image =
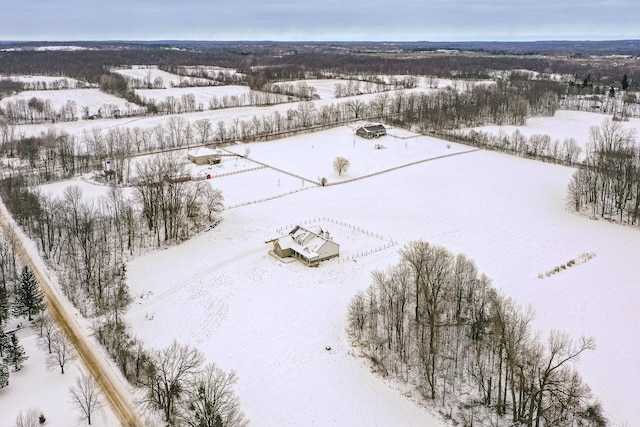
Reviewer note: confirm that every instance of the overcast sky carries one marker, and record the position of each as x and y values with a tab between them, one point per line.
340	20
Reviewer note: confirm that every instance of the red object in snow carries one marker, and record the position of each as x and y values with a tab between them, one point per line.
208	176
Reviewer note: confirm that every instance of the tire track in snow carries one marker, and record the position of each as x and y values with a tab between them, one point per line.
187	282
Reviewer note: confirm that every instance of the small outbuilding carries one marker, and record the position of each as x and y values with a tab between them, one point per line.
371	130
204	156
308	245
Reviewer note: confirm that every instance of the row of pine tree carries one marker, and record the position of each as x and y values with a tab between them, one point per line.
27	301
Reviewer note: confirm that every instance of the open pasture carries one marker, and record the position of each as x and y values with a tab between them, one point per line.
203	95
311	155
564	124
151	74
86	102
272	321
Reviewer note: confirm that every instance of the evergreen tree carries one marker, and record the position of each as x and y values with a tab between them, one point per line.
4	344
625	82
29	298
15	353
4	306
4	374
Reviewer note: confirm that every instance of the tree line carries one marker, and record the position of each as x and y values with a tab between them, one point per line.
433	321
262	63
538	146
173	379
20	296
607	185
89	242
54	155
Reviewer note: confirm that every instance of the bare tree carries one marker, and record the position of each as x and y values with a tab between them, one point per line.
433	320
44	325
61	351
554	375
28	418
357	315
172	367
357	107
341	165
203	130
213	200
211	401
85	395
305	111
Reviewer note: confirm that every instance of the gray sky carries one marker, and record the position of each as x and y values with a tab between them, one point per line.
372	20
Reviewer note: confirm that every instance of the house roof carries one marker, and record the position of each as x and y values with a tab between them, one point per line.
372	127
202	151
304	241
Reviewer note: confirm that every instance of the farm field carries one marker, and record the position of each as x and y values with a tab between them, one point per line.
225	115
325	88
564	124
272	321
87	102
48	80
281	325
149	74
367	156
203	95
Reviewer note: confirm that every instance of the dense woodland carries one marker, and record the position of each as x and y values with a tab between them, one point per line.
287	61
433	321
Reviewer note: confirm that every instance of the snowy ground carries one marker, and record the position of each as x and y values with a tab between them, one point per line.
325	88
311	156
44	389
90	99
144	73
202	94
564	124
37	79
226	115
271	321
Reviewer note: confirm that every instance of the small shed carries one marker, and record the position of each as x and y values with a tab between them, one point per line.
308	245
371	130
204	156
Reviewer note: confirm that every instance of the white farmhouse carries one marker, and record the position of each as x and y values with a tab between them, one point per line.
308	245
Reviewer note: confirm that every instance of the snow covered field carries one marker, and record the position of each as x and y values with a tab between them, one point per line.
564	124
89	101
48	80
44	389
149	74
272	321
325	88
311	156
202	94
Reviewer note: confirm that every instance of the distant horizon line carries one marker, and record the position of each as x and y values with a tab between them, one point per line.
195	40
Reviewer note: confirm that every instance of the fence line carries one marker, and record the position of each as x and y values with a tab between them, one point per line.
402	166
266	199
274	168
238	171
388	243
